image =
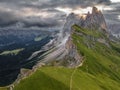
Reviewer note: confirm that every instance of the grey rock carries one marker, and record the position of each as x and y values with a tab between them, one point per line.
94	20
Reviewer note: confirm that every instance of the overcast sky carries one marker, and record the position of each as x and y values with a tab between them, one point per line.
51	13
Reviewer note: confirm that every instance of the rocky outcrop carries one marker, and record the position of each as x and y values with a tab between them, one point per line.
73	58
24	73
94	20
70	20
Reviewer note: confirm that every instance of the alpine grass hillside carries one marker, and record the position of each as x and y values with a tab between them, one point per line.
3	88
99	71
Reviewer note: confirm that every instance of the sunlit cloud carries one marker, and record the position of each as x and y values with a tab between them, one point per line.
115	1
31	12
107	8
65	10
82	11
104	8
76	11
5	9
27	12
119	17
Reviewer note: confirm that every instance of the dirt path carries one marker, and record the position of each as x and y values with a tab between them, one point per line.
74	71
71	78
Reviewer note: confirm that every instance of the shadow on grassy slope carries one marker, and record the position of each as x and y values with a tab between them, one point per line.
41	81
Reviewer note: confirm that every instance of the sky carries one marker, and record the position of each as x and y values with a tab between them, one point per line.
47	14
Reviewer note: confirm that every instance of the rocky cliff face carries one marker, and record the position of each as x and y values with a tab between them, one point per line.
74	59
94	20
70	20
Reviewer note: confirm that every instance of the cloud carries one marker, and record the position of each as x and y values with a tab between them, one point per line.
115	1
14	13
46	13
30	17
7	18
40	22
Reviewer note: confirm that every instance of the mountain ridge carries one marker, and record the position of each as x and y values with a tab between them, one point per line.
94	20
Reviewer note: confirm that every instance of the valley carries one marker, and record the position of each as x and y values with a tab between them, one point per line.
15	56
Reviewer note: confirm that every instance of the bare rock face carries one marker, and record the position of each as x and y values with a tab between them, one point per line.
73	58
70	20
94	20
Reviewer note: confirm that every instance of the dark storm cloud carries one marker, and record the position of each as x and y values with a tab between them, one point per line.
11	20
47	4
11	11
42	4
112	16
76	3
7	18
39	22
10	14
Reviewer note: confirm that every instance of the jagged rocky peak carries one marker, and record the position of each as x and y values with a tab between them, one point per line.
95	10
94	20
71	16
70	20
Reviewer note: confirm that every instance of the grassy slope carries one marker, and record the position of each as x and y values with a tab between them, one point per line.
12	52
3	89
100	70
